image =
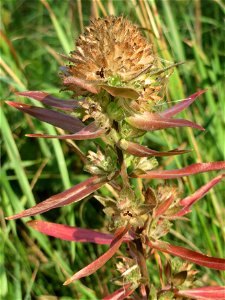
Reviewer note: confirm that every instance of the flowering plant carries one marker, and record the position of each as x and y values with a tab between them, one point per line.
120	84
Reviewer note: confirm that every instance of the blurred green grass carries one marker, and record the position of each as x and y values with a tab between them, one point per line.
33	266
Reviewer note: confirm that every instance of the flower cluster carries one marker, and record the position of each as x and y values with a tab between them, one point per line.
118	82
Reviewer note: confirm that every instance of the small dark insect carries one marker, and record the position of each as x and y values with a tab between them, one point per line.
101	73
127	213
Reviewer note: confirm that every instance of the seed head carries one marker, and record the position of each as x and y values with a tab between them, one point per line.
113	53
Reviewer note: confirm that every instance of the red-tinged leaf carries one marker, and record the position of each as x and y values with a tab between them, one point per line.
55	118
120	294
187	171
152	121
190	200
189	255
164	206
120	91
99	262
83	84
48	99
204	293
73	194
88	132
70	233
142	151
172	111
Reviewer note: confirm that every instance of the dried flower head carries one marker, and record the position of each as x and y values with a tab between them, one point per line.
113	53
109	47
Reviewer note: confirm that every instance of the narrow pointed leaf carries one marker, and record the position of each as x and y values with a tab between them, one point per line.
55	118
120	91
71	195
70	233
204	293
81	83
172	111
99	262
120	294
48	99
164	206
152	121
142	151
88	132
190	200
189	255
187	171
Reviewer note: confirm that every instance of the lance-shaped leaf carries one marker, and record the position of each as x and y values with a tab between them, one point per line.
164	206
83	84
153	121
187	171
71	195
204	293
70	233
55	118
190	200
142	151
172	111
189	255
121	293
48	99
76	234
88	132
99	262
124	92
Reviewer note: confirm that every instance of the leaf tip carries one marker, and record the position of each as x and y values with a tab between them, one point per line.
9	218
68	281
32	223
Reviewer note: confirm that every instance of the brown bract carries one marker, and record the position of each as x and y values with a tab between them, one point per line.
109	47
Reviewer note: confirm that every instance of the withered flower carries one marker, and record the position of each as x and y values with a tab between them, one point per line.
113	55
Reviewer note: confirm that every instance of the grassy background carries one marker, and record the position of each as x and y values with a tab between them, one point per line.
34	266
